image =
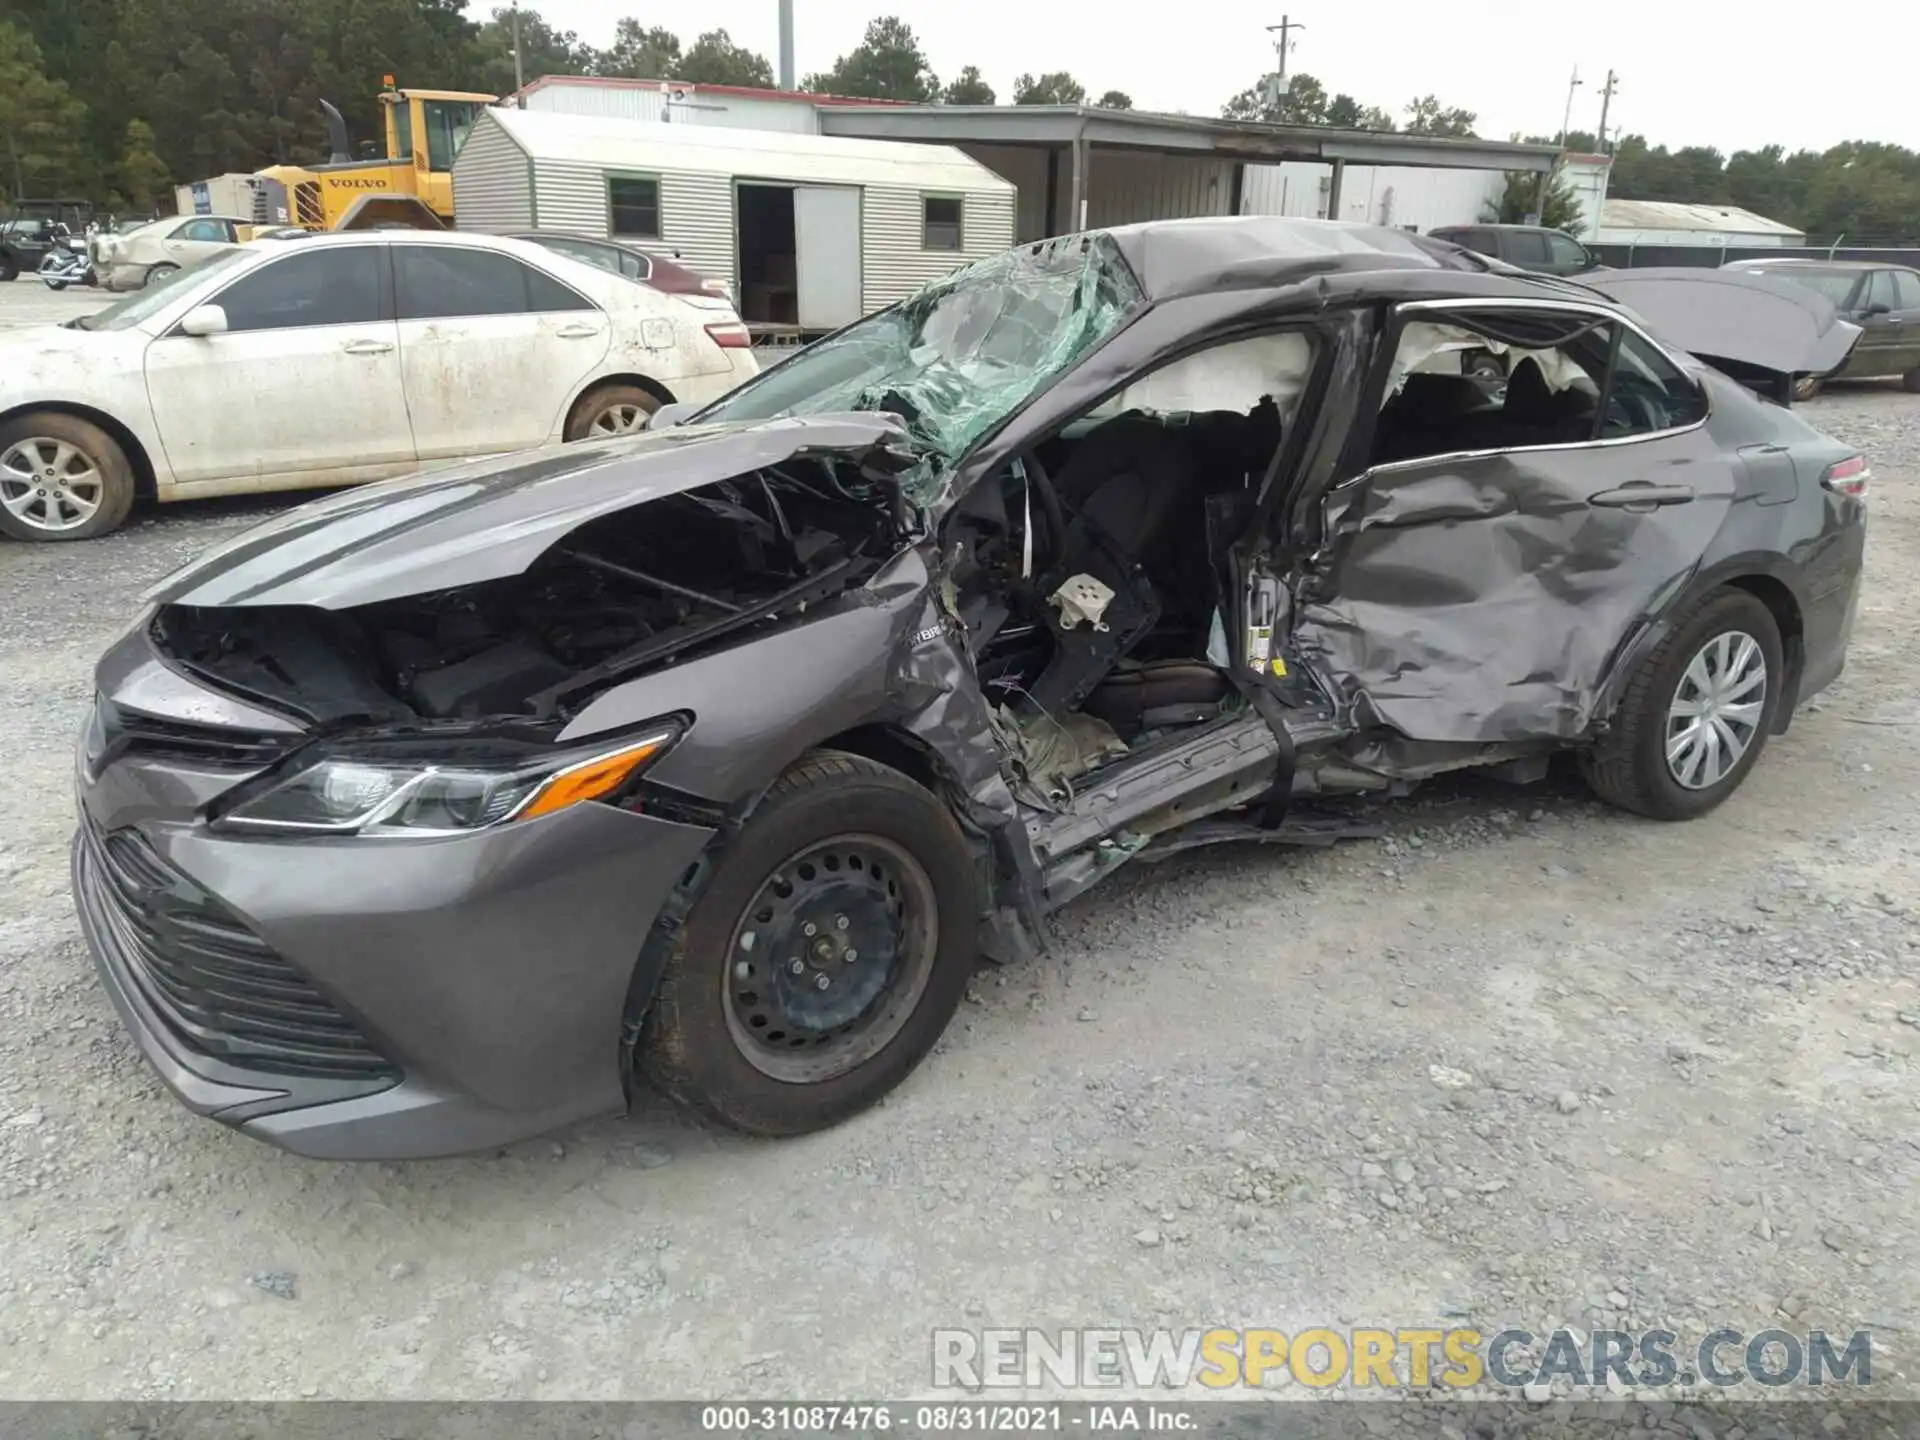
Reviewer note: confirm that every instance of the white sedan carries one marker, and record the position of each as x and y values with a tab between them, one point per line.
335	359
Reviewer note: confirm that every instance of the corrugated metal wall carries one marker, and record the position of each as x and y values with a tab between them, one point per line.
617	102
634	102
696	210
492	183
894	264
1376	194
1026	167
1125	186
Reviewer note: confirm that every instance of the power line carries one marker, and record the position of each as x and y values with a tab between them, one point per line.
1284	30
1606	103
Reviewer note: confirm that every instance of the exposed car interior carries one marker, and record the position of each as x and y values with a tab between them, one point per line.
1091	583
1508	380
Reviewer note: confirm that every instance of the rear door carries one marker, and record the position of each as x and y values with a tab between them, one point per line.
304	386
1486	557
492	348
194	240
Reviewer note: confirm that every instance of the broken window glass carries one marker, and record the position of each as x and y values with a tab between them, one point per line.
965	353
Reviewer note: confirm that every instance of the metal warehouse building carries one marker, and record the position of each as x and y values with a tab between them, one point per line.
1078	166
770	211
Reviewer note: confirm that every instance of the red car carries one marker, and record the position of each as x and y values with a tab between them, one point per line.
629	260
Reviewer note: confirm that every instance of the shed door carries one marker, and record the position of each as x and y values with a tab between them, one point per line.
826	234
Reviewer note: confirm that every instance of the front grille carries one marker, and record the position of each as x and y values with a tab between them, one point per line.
308	209
129	732
222	990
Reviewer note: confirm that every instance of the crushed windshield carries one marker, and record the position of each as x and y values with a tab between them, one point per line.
965	353
158	294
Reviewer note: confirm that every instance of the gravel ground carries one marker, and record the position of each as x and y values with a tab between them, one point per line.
1526	1060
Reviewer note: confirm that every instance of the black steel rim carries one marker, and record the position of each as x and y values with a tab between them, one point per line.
830	958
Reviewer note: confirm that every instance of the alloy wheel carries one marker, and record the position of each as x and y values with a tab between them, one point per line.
48	484
830	958
619	420
1717	710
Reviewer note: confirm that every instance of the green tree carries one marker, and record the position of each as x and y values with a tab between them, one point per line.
40	119
1561	210
967	88
1114	100
1427	116
714	59
888	64
1302	102
640	53
141	173
1056	87
543	51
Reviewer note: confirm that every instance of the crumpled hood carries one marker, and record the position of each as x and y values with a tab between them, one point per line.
488	519
1734	316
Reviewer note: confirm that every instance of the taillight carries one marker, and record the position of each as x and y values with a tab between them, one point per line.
731	337
1850	478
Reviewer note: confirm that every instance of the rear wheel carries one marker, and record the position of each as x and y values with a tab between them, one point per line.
61	479
611	410
825	956
1911	381
1697	713
8	269
157	274
1806	387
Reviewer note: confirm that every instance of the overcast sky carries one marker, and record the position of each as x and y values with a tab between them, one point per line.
1690	72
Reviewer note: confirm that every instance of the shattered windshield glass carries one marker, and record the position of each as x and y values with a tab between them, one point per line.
963	354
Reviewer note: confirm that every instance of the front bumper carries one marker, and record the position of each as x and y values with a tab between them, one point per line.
371	999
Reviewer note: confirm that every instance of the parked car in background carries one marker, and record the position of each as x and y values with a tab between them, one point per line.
631	261
334	359
30	227
156	250
429	818
1883	300
1530	247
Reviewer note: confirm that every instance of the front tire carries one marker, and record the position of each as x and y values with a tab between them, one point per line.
824	957
61	478
1910	382
8	269
1697	713
610	411
1806	387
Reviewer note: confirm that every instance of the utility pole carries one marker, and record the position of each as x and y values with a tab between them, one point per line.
1606	103
519	73
1566	121
1284	30
786	44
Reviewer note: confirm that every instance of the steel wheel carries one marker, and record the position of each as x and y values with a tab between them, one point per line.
619	420
830	958
1716	710
50	485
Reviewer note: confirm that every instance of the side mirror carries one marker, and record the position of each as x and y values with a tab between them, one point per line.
668	416
204	320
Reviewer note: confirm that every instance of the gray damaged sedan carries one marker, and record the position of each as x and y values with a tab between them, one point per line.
444	812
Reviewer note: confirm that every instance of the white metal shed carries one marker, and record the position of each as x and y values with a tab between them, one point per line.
812	231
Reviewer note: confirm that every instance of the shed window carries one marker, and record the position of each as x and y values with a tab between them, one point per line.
940	217
633	206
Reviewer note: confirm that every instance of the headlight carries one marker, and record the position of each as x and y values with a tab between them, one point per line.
372	792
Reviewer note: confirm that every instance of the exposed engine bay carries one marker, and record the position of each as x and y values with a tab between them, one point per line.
629	591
